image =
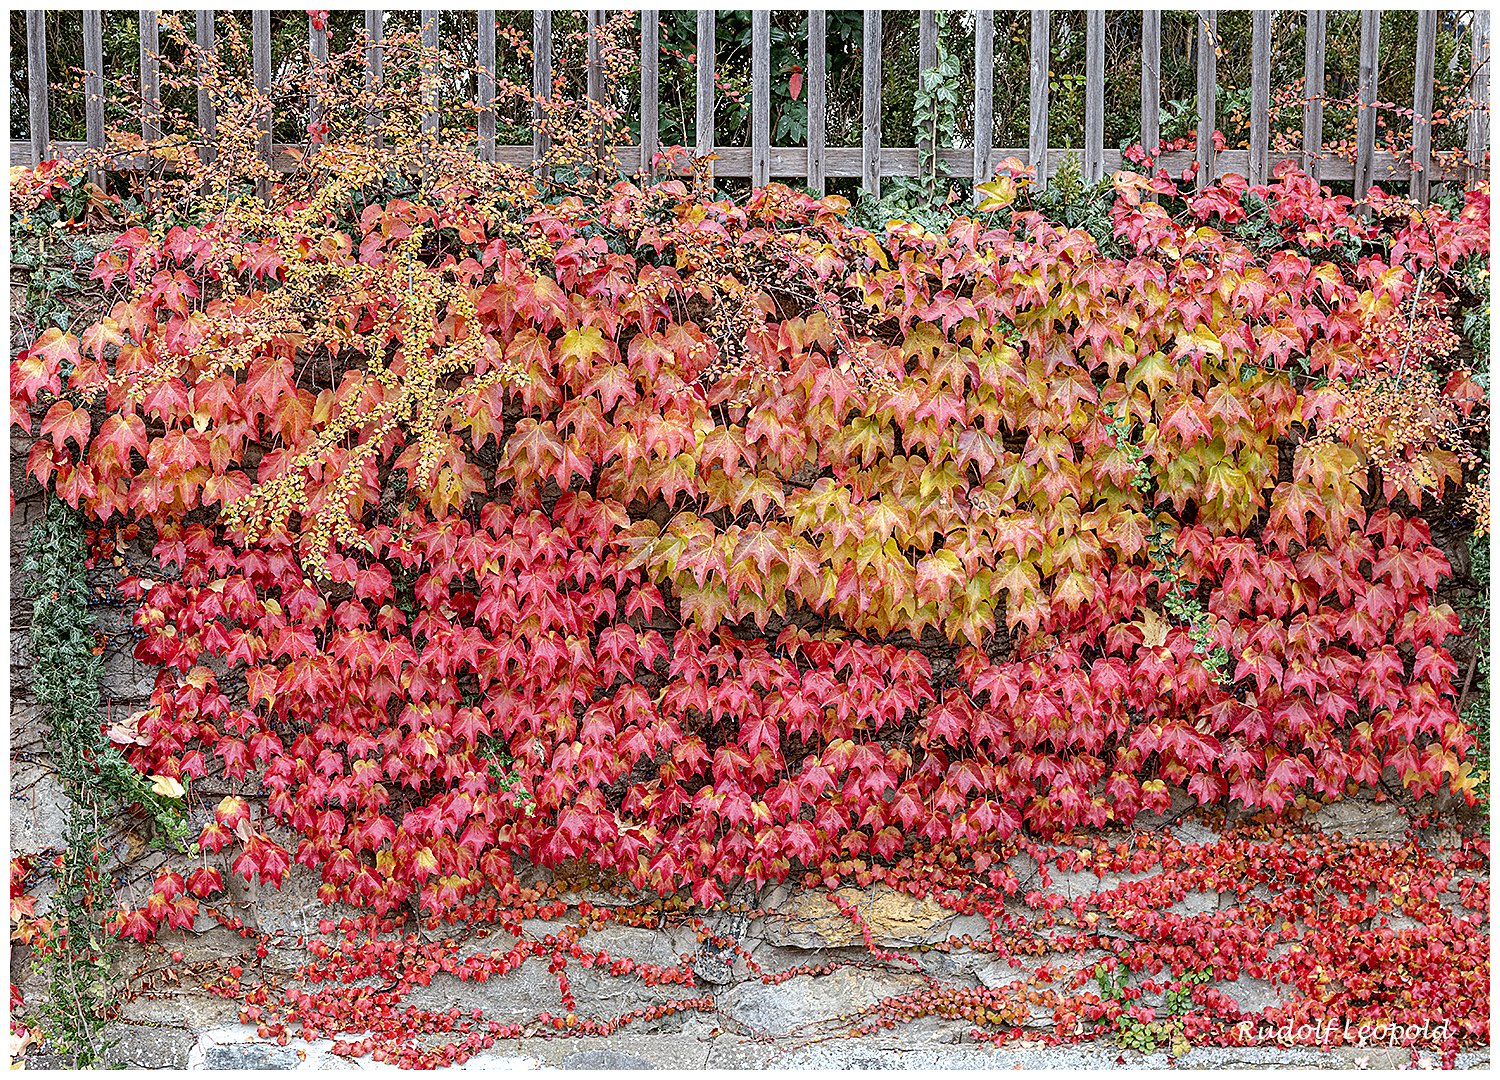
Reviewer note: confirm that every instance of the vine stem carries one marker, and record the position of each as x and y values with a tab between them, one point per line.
1463	696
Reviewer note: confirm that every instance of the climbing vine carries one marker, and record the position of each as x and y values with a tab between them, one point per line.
513	518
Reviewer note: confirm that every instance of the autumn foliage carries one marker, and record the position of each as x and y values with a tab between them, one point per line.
506	521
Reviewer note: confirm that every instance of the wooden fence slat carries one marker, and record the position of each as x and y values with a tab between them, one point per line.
208	119
760	97
984	94
150	77
374	64
1150	81
870	106
926	61
37	86
260	60
1260	95
650	88
1208	93
1421	105
93	85
1312	112
484	85
1093	107
93	76
541	80
1479	93
1369	87
703	123
1041	64
595	61
430	73
817	97
317	44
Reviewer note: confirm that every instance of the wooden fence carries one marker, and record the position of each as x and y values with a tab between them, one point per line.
816	162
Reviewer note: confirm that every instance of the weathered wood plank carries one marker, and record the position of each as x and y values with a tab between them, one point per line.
93	85
1041	64
317	44
1208	93
1150	81
817	97
1093	104
595	61
208	120
926	61
484	85
1369	87
431	92
650	86
870	105
37	85
1479	92
1260	95
703	123
374	63
1312	112
260	61
1421	106
984	94
541	80
848	161
150	76
760	97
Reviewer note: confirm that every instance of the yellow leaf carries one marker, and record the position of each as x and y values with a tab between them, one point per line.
998	193
165	785
1153	629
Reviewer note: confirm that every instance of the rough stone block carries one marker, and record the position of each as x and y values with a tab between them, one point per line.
811	921
234	1048
1358	819
38	811
604	1059
807	1000
140	1047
